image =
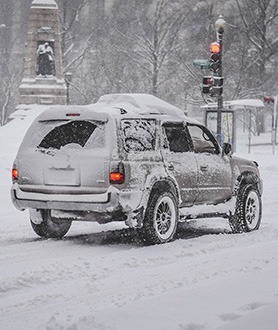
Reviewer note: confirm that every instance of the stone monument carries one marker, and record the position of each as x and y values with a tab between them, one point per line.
43	81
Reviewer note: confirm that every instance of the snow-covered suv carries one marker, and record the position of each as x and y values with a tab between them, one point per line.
132	158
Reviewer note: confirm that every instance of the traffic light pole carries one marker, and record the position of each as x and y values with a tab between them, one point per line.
220	97
213	84
220	25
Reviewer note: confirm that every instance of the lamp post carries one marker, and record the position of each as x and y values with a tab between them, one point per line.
220	25
68	77
5	70
4	37
4	45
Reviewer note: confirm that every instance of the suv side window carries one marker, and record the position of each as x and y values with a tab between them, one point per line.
175	137
202	139
138	134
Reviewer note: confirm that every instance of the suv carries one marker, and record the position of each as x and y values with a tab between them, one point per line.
132	158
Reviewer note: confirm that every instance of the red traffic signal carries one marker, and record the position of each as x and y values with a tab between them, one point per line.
215	56
215	48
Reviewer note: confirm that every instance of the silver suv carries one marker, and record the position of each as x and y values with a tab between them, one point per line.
131	158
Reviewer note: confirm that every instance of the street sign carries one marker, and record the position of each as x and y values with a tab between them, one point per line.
202	64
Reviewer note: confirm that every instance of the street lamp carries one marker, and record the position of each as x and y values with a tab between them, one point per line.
68	78
220	25
4	34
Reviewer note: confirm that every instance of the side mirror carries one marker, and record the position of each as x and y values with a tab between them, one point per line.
227	149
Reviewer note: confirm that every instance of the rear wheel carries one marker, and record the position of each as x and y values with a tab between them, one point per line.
248	213
161	218
46	226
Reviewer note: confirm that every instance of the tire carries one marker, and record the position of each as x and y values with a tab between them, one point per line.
248	213
161	218
50	228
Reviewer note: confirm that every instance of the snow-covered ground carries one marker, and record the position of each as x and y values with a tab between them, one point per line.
102	277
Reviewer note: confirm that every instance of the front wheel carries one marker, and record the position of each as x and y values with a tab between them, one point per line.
248	213
161	218
45	226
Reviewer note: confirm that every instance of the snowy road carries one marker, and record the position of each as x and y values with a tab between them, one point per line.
101	277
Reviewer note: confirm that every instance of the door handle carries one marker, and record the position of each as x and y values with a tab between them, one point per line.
203	168
170	167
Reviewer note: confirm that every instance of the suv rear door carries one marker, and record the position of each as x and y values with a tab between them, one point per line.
66	156
180	161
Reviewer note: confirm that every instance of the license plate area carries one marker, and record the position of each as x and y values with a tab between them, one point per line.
62	175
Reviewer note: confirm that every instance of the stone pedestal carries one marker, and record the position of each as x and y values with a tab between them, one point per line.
43	81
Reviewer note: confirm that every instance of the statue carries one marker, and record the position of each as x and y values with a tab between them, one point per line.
43	81
45	60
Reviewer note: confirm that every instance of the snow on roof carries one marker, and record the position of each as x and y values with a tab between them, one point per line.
44	4
112	105
142	104
79	112
238	104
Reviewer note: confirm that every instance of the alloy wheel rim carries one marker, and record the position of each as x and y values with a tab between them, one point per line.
165	217
252	210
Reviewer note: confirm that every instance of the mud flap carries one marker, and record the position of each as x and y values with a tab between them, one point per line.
135	219
36	216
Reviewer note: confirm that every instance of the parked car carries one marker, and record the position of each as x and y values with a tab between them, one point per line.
131	158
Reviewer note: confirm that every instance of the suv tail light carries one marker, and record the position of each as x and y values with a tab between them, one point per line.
117	174
14	174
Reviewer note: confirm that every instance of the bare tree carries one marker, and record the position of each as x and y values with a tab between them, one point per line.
258	44
154	34
11	40
81	26
7	94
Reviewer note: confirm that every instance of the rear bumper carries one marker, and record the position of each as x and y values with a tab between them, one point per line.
105	207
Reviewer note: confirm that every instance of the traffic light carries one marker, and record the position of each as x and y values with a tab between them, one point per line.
215	57
216	86
268	99
212	85
206	84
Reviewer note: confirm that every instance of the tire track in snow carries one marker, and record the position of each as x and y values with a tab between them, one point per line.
122	278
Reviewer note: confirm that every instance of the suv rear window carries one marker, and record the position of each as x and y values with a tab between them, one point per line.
138	134
77	132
